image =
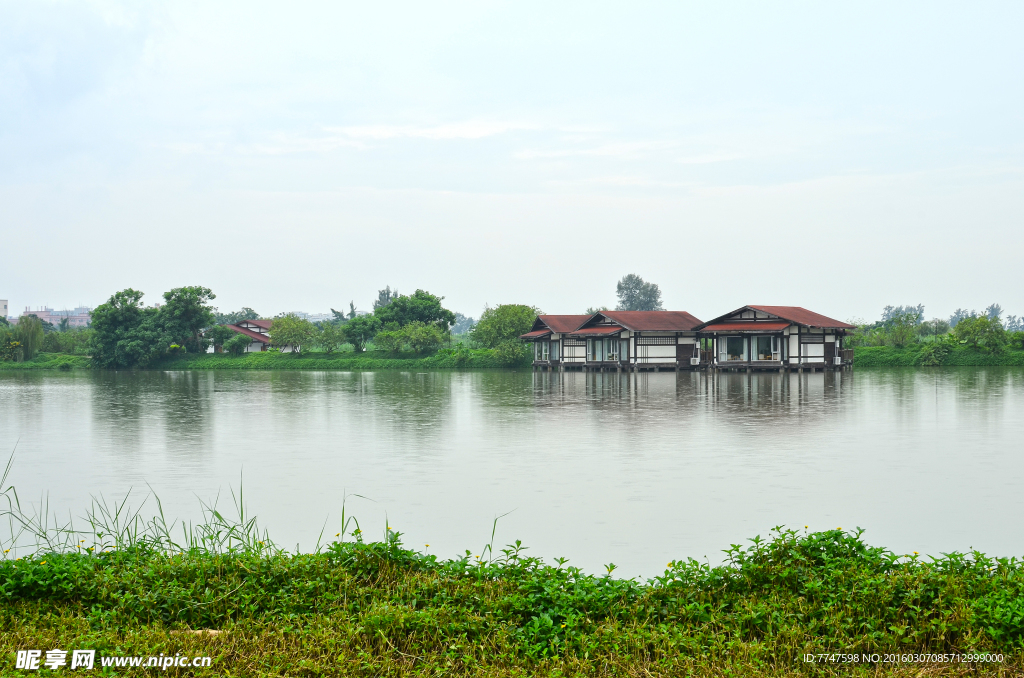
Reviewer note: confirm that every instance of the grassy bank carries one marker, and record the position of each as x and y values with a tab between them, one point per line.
368	360
49	361
373	609
927	354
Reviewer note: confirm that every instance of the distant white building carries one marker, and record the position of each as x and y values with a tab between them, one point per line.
76	317
3	308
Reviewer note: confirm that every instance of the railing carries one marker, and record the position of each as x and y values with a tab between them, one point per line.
847	354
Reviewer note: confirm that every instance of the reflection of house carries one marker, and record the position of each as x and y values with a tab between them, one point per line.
776	337
618	340
259	332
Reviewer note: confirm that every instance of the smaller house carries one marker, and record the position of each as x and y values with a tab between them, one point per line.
615	340
776	337
551	345
259	332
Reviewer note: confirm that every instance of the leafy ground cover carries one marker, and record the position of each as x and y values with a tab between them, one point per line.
368	360
375	609
49	361
937	354
458	358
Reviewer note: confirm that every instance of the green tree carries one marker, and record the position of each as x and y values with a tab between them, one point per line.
237	344
981	332
219	335
29	333
420	306
185	313
236	317
390	341
935	327
361	330
636	295
901	328
329	336
125	333
291	330
385	297
506	322
422	338
511	353
10	348
596	309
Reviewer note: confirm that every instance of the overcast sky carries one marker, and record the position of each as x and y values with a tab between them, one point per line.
295	156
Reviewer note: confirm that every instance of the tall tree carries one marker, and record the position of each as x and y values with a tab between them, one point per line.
29	333
360	330
186	313
506	322
235	317
291	330
384	297
125	333
637	295
420	306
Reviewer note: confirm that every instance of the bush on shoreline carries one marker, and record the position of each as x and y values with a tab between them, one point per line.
379	608
941	354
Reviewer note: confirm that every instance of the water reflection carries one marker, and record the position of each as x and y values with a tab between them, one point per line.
634	468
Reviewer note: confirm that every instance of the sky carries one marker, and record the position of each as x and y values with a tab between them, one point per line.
298	156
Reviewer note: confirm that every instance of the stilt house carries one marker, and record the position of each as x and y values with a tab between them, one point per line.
550	342
776	337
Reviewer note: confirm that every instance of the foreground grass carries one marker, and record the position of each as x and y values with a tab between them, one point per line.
373	609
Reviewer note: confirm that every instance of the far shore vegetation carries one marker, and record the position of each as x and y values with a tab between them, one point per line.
416	331
123	583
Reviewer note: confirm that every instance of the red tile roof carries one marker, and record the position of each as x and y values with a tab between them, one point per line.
265	324
653	321
536	334
598	331
794	314
759	326
250	333
563	324
801	315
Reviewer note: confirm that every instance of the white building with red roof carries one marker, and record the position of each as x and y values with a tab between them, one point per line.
776	337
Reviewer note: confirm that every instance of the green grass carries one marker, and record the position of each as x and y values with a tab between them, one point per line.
915	356
49	361
369	360
357	608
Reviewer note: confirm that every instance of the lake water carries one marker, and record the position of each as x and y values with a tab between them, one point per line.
598	468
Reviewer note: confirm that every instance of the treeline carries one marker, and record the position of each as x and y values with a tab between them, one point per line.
33	335
905	326
126	333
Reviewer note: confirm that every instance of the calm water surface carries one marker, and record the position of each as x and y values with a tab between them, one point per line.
599	468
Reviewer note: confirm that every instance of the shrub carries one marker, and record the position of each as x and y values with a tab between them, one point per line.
511	353
504	323
237	344
389	340
422	338
981	332
291	330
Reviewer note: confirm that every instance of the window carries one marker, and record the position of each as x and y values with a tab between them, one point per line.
612	352
766	348
542	349
734	348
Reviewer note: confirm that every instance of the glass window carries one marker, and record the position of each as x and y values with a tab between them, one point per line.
613	349
763	347
734	348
